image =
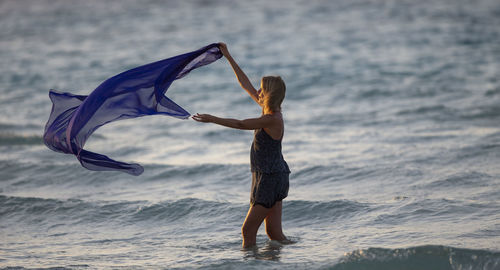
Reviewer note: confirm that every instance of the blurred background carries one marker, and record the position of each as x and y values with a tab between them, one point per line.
392	134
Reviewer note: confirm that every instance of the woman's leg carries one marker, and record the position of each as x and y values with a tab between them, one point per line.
255	216
273	223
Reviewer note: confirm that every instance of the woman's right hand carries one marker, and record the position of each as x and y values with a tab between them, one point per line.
204	118
223	49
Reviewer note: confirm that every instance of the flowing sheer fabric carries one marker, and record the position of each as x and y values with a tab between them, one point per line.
133	93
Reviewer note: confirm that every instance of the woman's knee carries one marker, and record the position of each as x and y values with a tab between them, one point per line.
244	230
273	223
248	229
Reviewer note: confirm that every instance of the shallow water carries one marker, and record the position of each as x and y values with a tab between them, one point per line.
392	135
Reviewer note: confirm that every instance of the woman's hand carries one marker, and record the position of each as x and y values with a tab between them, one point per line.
223	49
205	118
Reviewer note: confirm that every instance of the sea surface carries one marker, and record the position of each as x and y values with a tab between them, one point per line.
392	134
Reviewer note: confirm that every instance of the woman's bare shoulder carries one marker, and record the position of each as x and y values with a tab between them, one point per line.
275	129
274	117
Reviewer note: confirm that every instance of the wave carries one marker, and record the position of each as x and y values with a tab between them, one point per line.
199	170
48	212
441	112
15	139
43	211
432	210
487	147
492	92
467	179
488	112
316	173
375	93
51	212
311	212
437	111
10	126
422	257
65	170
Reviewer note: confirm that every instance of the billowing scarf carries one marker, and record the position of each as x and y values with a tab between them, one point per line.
133	93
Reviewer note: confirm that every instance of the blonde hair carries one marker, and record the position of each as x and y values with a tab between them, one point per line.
274	89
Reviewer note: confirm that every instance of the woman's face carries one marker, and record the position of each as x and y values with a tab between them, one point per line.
261	95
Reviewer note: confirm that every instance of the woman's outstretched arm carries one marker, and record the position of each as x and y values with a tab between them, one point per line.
240	75
265	121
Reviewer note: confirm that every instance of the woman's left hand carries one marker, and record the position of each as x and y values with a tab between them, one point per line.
205	118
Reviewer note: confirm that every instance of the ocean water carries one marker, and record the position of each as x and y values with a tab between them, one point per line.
392	135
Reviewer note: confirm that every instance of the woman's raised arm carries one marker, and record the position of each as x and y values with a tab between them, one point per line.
240	75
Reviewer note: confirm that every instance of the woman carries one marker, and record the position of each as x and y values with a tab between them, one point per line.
269	170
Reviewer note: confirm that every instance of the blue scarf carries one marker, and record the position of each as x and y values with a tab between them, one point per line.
133	93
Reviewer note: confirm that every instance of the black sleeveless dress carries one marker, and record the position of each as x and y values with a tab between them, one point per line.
269	170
